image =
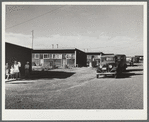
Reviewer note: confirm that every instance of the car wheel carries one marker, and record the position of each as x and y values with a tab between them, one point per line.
97	76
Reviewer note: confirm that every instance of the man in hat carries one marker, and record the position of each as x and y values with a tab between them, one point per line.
27	70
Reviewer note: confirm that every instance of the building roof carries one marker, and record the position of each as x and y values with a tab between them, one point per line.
94	53
8	43
120	55
108	56
57	50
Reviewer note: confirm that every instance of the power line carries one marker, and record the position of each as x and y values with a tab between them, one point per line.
35	17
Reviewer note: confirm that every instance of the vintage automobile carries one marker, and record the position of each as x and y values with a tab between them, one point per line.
130	60
136	59
36	67
111	65
139	58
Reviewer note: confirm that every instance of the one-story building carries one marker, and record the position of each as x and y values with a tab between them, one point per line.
58	58
17	53
93	58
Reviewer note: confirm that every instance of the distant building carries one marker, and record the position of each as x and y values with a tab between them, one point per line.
58	58
93	58
108	54
17	53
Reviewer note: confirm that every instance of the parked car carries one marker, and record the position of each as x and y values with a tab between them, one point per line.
36	67
136	59
130	61
111	65
139	58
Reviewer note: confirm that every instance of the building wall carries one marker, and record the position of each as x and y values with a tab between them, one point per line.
53	59
80	58
93	59
17	53
69	57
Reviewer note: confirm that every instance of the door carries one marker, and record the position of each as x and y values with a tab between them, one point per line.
51	64
64	62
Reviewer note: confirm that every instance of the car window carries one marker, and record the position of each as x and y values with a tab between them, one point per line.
109	59
103	59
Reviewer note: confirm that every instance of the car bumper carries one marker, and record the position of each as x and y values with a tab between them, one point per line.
106	73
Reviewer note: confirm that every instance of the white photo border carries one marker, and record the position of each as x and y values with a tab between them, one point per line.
76	114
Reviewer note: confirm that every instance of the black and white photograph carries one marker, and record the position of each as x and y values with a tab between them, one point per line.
74	60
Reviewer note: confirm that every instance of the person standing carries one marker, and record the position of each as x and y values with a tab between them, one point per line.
7	71
27	70
16	70
12	72
19	63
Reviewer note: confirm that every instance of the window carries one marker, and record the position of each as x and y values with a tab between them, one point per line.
53	56
103	59
46	56
69	56
50	56
58	56
110	59
41	56
36	56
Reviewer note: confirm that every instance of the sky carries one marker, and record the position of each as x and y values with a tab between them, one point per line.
94	28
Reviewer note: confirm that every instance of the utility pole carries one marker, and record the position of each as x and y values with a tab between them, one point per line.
32	37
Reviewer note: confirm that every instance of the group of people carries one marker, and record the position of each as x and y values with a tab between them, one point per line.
14	72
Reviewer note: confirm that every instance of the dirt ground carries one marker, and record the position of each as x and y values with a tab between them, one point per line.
76	88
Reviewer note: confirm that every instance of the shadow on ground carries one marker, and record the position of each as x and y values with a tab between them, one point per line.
128	75
50	74
135	65
123	75
131	70
44	74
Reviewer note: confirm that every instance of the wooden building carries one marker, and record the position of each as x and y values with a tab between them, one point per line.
59	58
93	58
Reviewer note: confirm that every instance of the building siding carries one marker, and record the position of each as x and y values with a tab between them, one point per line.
81	58
48	58
78	57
